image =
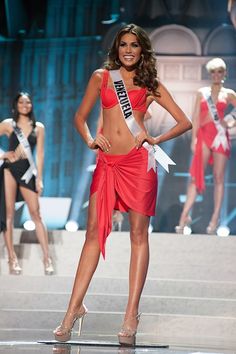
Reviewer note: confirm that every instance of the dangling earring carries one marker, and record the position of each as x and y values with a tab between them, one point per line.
117	62
223	80
141	61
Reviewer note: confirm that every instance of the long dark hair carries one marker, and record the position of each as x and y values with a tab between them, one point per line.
145	71
15	111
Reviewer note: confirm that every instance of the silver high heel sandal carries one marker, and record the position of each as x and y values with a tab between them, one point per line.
48	267
127	335
211	228
179	229
14	267
63	333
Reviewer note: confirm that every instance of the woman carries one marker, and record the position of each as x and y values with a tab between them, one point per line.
121	179
210	142
20	178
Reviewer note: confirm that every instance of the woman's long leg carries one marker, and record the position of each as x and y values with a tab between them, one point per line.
10	197
87	264
32	200
219	167
139	262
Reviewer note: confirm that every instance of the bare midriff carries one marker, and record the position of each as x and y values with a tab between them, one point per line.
117	132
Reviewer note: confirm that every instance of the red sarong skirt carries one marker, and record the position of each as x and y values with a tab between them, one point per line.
122	182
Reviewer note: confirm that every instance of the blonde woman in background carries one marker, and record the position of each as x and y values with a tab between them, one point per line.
210	142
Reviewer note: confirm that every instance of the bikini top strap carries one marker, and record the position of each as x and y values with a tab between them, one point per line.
105	77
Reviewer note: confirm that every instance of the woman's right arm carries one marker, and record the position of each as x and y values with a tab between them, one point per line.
6	129
91	95
195	121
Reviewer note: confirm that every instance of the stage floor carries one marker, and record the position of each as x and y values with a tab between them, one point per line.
27	347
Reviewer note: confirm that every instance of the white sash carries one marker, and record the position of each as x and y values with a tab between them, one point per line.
32	170
220	138
155	153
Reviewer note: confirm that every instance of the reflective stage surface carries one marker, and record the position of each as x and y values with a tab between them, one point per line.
97	347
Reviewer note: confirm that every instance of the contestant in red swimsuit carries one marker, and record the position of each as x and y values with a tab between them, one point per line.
122	178
122	182
210	143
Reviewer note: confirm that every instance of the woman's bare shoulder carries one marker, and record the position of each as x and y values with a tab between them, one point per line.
8	121
229	91
40	125
95	80
98	74
6	126
40	128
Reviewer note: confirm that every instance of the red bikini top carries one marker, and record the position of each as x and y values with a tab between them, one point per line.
108	96
221	105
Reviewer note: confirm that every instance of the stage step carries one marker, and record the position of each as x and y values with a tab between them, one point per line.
198	306
196	257
157	287
189	297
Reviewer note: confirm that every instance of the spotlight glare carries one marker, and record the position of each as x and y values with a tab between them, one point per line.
91	168
223	231
29	225
150	228
71	226
187	230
